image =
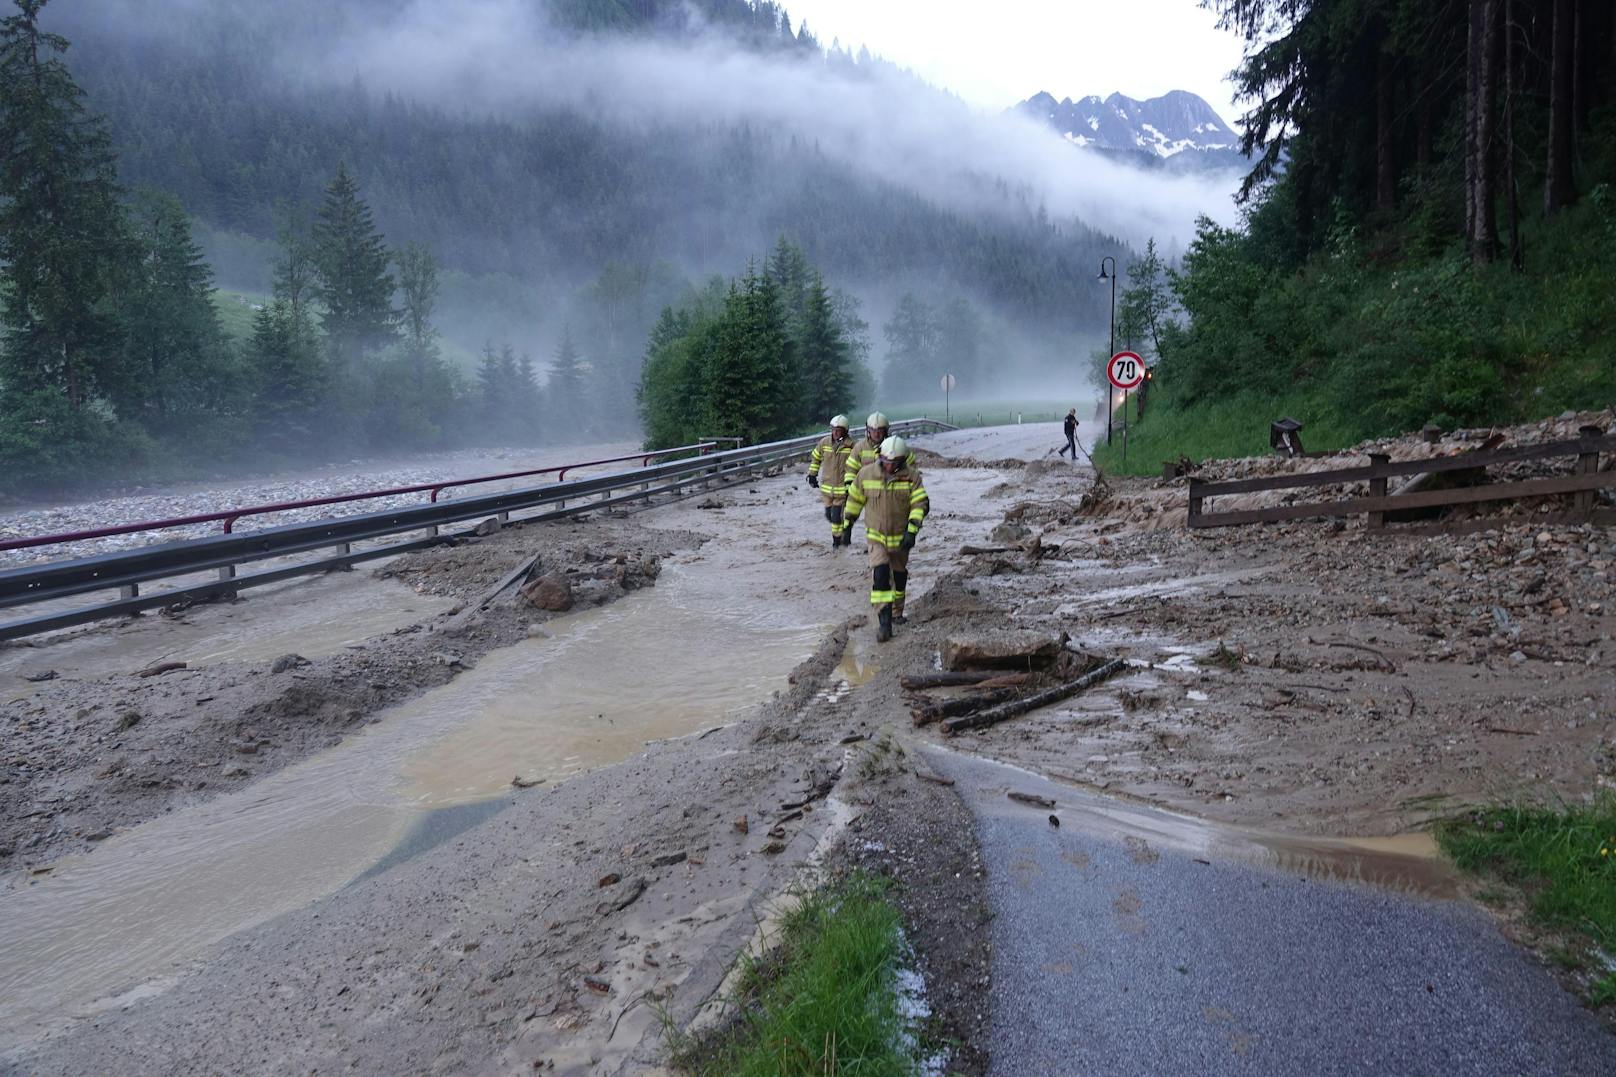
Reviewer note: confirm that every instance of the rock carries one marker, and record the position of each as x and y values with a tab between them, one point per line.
610	879
449	658
1002	650
520	782
742	825
488	527
288	661
710	503
1010	533
1517	657
667	860
553	593
128	720
42	675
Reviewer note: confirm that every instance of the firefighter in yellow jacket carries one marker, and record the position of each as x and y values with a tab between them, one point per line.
827	473
868	447
892	499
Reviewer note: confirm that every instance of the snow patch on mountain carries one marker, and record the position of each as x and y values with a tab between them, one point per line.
1178	124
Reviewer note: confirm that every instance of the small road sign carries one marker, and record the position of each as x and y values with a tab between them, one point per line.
948	383
1126	370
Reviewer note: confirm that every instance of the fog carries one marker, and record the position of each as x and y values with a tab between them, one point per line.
503	56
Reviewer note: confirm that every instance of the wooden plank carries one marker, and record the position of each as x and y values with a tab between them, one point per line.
1464	495
1458	462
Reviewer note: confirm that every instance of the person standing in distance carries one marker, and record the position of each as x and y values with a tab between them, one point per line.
1071	435
827	473
891	496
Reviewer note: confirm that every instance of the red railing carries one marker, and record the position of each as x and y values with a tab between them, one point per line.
230	516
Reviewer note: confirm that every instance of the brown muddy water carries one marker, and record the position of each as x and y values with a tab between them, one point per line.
1405	863
665	662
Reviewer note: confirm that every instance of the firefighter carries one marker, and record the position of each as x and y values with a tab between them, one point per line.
892	498
868	447
827	473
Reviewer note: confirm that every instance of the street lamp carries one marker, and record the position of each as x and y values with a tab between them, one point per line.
1112	277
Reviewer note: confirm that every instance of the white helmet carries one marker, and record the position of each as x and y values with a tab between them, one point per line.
876	421
839	421
894	448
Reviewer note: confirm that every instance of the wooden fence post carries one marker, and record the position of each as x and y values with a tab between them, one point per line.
1587	464
1195	500
1377	487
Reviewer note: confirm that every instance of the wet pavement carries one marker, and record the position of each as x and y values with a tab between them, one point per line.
1130	941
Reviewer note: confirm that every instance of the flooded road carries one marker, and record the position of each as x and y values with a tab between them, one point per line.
666	662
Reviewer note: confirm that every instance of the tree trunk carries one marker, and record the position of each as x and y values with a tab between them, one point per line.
1425	129
1385	164
1517	254
1558	189
1483	65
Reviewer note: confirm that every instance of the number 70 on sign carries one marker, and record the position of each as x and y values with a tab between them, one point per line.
1126	370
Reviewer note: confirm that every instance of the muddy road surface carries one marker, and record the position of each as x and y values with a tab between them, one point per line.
509	838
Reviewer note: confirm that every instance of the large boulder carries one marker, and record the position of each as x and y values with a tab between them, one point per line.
1003	650
551	593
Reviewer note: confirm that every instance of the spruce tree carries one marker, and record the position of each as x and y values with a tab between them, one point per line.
287	379
826	366
175	359
564	390
63	237
351	260
959	346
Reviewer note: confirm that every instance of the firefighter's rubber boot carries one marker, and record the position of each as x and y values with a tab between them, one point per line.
883	628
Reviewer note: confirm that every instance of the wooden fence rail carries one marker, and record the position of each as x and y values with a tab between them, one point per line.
1584	479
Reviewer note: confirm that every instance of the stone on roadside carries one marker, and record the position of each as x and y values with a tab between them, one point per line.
1002	650
288	661
553	593
488	527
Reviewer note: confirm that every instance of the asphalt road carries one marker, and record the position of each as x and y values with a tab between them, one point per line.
1132	942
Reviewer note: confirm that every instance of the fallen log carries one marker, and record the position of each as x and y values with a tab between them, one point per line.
973	551
915	681
995	715
161	668
933	712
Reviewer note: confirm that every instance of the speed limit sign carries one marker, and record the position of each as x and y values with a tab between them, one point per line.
1125	370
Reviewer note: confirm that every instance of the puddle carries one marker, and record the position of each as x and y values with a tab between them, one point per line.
1408	863
668	661
313	616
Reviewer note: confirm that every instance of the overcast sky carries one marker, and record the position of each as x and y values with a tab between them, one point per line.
996	54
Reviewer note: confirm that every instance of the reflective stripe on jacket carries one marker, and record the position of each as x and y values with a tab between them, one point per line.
892	505
864	452
829	462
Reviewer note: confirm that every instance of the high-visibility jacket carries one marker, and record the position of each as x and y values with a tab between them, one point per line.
864	452
892	505
829	462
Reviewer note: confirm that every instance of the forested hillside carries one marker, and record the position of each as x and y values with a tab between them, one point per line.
1430	228
388	229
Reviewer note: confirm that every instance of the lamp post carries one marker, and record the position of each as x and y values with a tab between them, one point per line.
1112	350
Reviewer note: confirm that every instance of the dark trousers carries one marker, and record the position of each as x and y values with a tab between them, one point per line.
1070	446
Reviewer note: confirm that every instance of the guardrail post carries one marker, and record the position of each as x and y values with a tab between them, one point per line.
1195	501
1377	487
129	590
1587	464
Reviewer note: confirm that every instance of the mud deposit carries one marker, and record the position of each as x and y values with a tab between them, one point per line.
405	909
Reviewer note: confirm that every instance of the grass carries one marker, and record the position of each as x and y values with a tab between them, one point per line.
825	1001
1229	428
1562	863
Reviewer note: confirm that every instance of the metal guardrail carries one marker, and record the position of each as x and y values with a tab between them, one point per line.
230	516
126	571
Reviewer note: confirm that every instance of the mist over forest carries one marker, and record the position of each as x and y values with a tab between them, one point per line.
575	168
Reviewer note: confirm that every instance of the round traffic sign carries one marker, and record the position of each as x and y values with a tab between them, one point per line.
947	382
1125	370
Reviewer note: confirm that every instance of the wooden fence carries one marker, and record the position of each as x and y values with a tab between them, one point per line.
1584	478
